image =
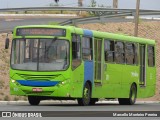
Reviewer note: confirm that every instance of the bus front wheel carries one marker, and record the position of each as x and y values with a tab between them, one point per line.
33	100
132	97
86	97
93	101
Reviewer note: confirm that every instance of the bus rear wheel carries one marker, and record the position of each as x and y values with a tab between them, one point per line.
33	100
132	97
86	97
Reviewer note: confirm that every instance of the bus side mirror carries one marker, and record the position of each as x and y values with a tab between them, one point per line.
7	43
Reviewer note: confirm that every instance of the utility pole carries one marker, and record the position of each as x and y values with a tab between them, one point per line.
136	18
115	3
80	3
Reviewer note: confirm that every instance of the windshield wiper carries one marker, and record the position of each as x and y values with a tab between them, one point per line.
53	40
66	60
47	48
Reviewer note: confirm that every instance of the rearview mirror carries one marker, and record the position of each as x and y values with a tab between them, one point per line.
7	43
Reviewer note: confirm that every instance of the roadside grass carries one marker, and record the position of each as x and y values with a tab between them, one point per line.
6	98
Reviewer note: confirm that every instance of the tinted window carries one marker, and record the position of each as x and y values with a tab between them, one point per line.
130	53
119	52
109	50
87	48
76	54
135	49
151	58
40	54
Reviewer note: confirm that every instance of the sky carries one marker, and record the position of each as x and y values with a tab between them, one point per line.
126	4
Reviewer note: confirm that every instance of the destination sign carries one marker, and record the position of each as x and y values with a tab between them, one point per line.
40	32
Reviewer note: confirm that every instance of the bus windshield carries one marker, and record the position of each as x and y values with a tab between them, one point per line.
40	54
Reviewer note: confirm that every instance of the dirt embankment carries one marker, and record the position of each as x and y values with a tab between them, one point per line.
149	30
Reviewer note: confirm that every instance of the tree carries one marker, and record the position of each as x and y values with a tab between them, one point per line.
56	1
93	3
115	3
80	3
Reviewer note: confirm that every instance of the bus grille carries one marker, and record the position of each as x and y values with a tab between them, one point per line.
38	77
38	93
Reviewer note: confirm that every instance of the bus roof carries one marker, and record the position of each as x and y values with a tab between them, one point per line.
122	37
96	34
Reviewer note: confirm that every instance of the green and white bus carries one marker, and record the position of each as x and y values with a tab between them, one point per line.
68	63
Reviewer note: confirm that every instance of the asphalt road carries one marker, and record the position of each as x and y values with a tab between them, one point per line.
99	111
57	106
9	24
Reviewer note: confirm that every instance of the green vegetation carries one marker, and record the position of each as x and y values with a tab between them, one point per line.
16	99
140	20
93	3
6	98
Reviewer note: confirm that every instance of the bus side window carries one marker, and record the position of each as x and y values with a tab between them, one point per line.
76	53
109	50
151	58
119	52
129	53
135	49
87	53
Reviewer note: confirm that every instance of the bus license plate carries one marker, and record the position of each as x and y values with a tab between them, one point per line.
37	89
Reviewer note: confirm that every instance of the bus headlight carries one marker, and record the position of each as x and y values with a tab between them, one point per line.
65	82
13	81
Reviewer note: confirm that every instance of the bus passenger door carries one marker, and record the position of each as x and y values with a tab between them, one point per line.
98	62
142	79
77	67
87	56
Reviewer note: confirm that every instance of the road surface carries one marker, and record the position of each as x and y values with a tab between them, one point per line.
65	110
9	24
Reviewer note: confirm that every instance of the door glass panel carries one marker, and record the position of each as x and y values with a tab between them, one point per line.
142	65
98	58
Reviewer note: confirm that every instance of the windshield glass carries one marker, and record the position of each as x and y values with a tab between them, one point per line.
40	54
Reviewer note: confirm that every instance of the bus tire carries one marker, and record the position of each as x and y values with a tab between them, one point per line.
86	97
132	97
122	101
33	100
93	101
